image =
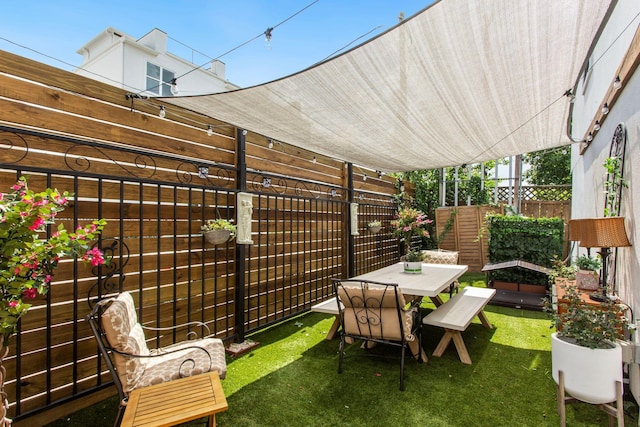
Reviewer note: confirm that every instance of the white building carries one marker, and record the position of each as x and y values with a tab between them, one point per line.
611	77
146	66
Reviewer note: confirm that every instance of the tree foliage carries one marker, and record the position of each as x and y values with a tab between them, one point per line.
549	167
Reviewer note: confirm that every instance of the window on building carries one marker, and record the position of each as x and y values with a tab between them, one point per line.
159	80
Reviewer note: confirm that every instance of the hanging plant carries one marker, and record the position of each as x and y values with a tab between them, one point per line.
219	231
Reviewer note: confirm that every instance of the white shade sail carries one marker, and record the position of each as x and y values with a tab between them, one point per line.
461	82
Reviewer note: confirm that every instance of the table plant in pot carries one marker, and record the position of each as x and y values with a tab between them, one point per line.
586	357
218	231
409	223
587	277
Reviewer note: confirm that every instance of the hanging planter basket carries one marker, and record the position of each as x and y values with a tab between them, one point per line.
218	237
375	228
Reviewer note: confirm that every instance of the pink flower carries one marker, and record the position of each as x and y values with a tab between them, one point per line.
95	256
12	303
36	224
30	293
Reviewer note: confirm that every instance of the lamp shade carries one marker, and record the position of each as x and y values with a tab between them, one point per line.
606	232
575	230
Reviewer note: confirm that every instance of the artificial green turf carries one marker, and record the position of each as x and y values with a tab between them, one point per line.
291	379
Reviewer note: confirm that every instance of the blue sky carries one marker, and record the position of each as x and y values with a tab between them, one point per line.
59	28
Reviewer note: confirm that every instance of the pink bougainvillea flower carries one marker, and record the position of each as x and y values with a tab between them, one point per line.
12	303
95	256
36	224
30	293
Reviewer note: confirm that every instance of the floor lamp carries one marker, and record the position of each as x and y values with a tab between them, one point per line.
604	233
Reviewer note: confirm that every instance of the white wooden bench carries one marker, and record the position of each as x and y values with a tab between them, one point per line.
456	315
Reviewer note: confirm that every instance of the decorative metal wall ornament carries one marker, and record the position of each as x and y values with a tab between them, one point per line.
13	145
614	182
188	172
143	165
613	185
110	275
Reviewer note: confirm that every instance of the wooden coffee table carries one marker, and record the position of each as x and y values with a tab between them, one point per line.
176	402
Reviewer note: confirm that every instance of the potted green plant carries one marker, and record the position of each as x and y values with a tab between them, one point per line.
409	223
374	226
585	351
218	231
587	277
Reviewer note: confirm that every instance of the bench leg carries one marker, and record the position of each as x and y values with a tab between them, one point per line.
456	336
437	301
212	420
484	319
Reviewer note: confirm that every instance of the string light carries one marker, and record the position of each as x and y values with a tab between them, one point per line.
617	84
314	160
174	87
590	137
270	143
162	112
364	177
209	130
596	127
267	35
605	108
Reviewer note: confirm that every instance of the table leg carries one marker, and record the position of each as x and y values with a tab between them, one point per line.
212	420
334	328
437	301
417	351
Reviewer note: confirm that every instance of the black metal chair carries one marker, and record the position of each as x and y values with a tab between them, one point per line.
377	312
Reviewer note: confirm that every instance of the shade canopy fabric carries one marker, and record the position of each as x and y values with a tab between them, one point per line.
462	81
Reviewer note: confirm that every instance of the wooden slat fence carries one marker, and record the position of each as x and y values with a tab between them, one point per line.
156	181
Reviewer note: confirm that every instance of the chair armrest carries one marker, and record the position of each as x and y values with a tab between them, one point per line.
164	351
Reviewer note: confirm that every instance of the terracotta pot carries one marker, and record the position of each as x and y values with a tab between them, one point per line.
588	280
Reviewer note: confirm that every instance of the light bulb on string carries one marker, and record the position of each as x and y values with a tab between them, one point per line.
209	130
267	36
617	83
162	112
590	137
605	108
174	87
364	177
271	143
314	160
596	127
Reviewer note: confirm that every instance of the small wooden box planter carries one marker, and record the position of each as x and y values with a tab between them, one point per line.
520	287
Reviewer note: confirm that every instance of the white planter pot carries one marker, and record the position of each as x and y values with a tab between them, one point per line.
590	374
413	267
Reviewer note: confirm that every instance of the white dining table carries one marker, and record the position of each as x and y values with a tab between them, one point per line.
433	279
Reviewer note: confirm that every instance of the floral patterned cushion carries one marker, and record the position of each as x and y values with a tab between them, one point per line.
124	333
186	358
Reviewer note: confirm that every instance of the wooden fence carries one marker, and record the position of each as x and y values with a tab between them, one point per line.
156	181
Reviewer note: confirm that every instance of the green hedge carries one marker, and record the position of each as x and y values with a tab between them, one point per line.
534	240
